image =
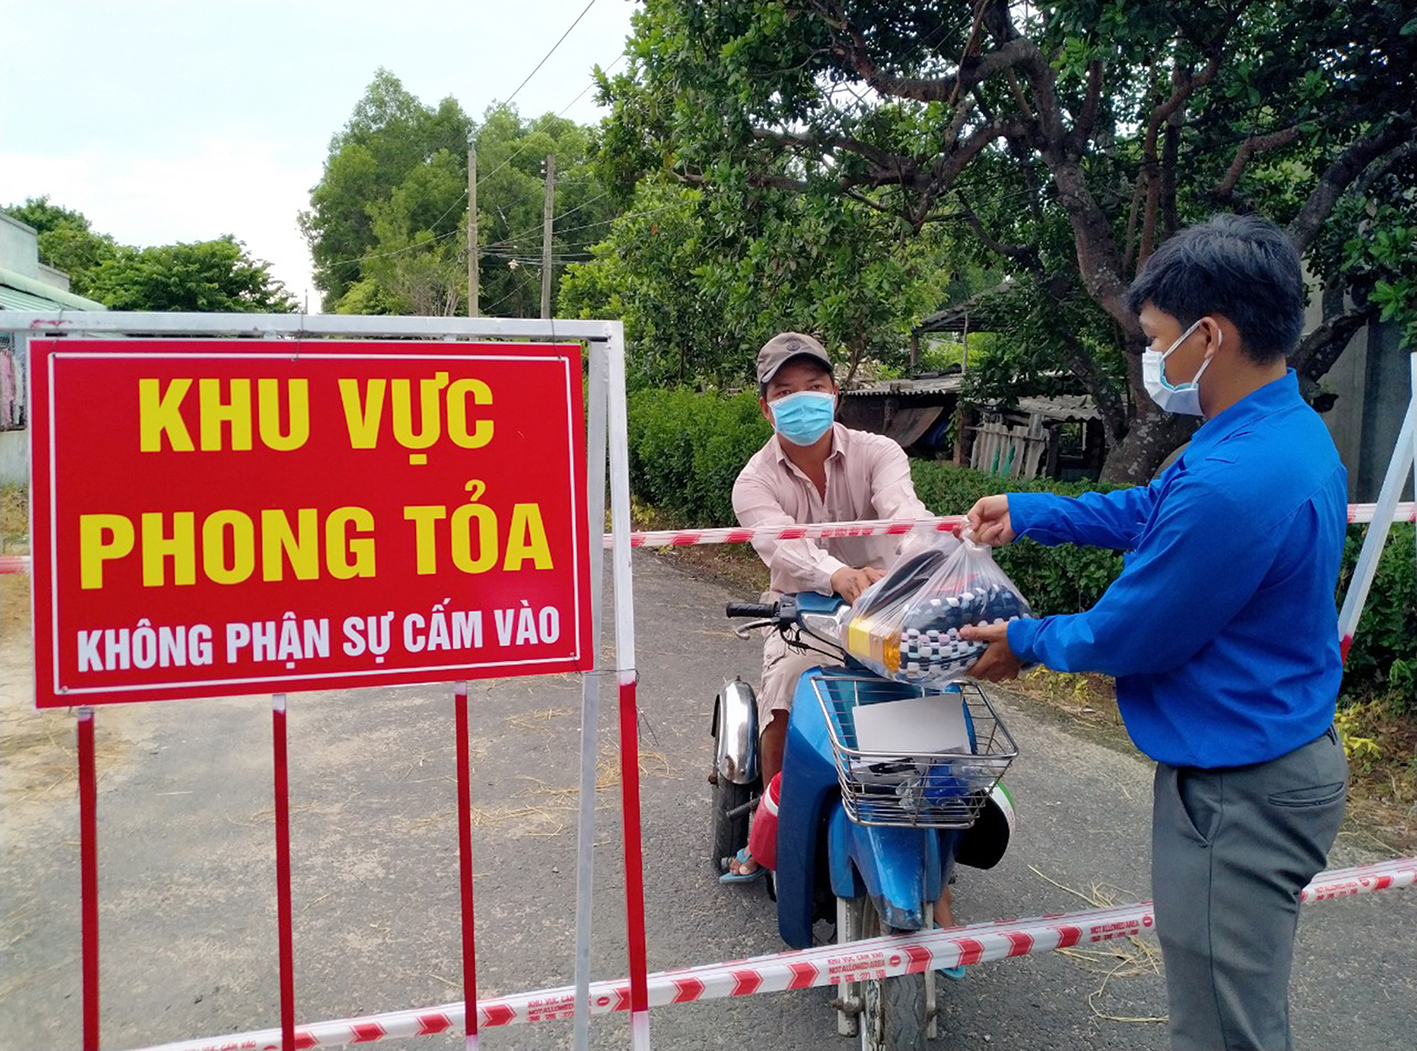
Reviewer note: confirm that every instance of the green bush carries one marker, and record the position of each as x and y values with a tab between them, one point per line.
1384	648
686	448
1061	579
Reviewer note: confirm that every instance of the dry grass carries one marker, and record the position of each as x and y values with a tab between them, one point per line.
1087	697
14	520
14	606
1131	958
541	809
538	721
14	540
1382	758
734	565
38	749
1381	745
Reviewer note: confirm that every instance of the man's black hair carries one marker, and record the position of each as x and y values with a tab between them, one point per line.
811	358
1239	266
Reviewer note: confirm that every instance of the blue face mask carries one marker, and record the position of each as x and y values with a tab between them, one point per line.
803	417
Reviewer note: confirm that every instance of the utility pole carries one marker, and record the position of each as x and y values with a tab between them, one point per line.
472	275
546	235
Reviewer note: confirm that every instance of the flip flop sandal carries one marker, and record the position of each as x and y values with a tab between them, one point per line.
954	974
743	857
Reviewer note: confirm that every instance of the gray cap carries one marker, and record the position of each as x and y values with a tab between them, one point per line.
785	346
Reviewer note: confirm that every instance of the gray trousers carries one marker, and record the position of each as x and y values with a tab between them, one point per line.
1231	850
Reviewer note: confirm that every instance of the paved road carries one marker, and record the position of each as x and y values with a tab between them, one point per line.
187	873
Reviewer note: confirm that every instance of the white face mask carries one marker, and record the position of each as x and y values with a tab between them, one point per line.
1184	400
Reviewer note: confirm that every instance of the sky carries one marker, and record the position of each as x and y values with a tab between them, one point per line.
182	120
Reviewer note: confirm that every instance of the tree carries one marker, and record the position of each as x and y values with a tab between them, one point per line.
702	282
1065	139
388	219
67	241
389	135
204	276
510	196
215	276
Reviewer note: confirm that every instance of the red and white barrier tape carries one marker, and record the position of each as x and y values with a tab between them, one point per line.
802	969
817	531
1406	512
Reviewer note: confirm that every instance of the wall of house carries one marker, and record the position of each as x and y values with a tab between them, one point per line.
14	438
1373	384
19	247
1388	389
14	457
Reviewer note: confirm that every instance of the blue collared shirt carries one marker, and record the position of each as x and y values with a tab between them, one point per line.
1221	630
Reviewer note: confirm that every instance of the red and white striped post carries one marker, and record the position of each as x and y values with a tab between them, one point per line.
88	875
285	934
633	860
469	940
1384	512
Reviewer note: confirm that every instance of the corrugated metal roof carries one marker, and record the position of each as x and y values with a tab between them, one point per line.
40	296
975	314
14	299
909	387
1063	407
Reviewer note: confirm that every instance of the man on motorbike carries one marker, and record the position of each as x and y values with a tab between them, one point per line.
814	470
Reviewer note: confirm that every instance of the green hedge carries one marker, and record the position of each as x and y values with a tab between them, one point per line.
686	448
1061	579
1384	653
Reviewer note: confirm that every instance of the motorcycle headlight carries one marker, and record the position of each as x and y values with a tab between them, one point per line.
824	626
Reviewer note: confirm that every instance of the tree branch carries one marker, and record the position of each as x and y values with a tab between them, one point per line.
1252	145
887	169
849	45
819	145
1382	166
1086	122
950	164
1340	174
1320	348
1025	254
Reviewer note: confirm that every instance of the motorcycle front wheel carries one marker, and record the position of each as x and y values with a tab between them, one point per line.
893	1013
730	822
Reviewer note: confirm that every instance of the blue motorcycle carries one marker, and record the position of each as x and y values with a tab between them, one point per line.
866	839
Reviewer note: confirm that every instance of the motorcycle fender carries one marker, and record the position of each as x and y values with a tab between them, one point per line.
983	844
736	728
900	868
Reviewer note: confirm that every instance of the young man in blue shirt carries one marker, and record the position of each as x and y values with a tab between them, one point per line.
1221	630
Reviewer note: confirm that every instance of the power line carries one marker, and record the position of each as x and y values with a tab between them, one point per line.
517	153
515	289
510	238
551	52
523	147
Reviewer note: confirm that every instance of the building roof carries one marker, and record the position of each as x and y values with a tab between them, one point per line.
978	313
18	292
1061	407
909	387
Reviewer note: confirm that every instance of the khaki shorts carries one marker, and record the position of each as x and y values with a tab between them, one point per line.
782	667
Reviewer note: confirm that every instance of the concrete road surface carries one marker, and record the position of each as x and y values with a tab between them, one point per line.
188	920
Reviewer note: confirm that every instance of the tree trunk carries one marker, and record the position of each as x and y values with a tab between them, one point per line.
1153	436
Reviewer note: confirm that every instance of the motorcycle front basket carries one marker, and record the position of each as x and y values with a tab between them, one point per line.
913	790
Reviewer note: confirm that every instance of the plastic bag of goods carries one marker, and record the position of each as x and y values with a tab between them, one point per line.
906	625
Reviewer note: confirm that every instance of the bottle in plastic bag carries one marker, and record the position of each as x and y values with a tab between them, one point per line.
906	625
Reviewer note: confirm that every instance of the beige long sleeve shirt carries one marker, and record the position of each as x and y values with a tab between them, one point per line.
868	476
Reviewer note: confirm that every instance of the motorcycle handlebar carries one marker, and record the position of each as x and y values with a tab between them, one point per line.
752	609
